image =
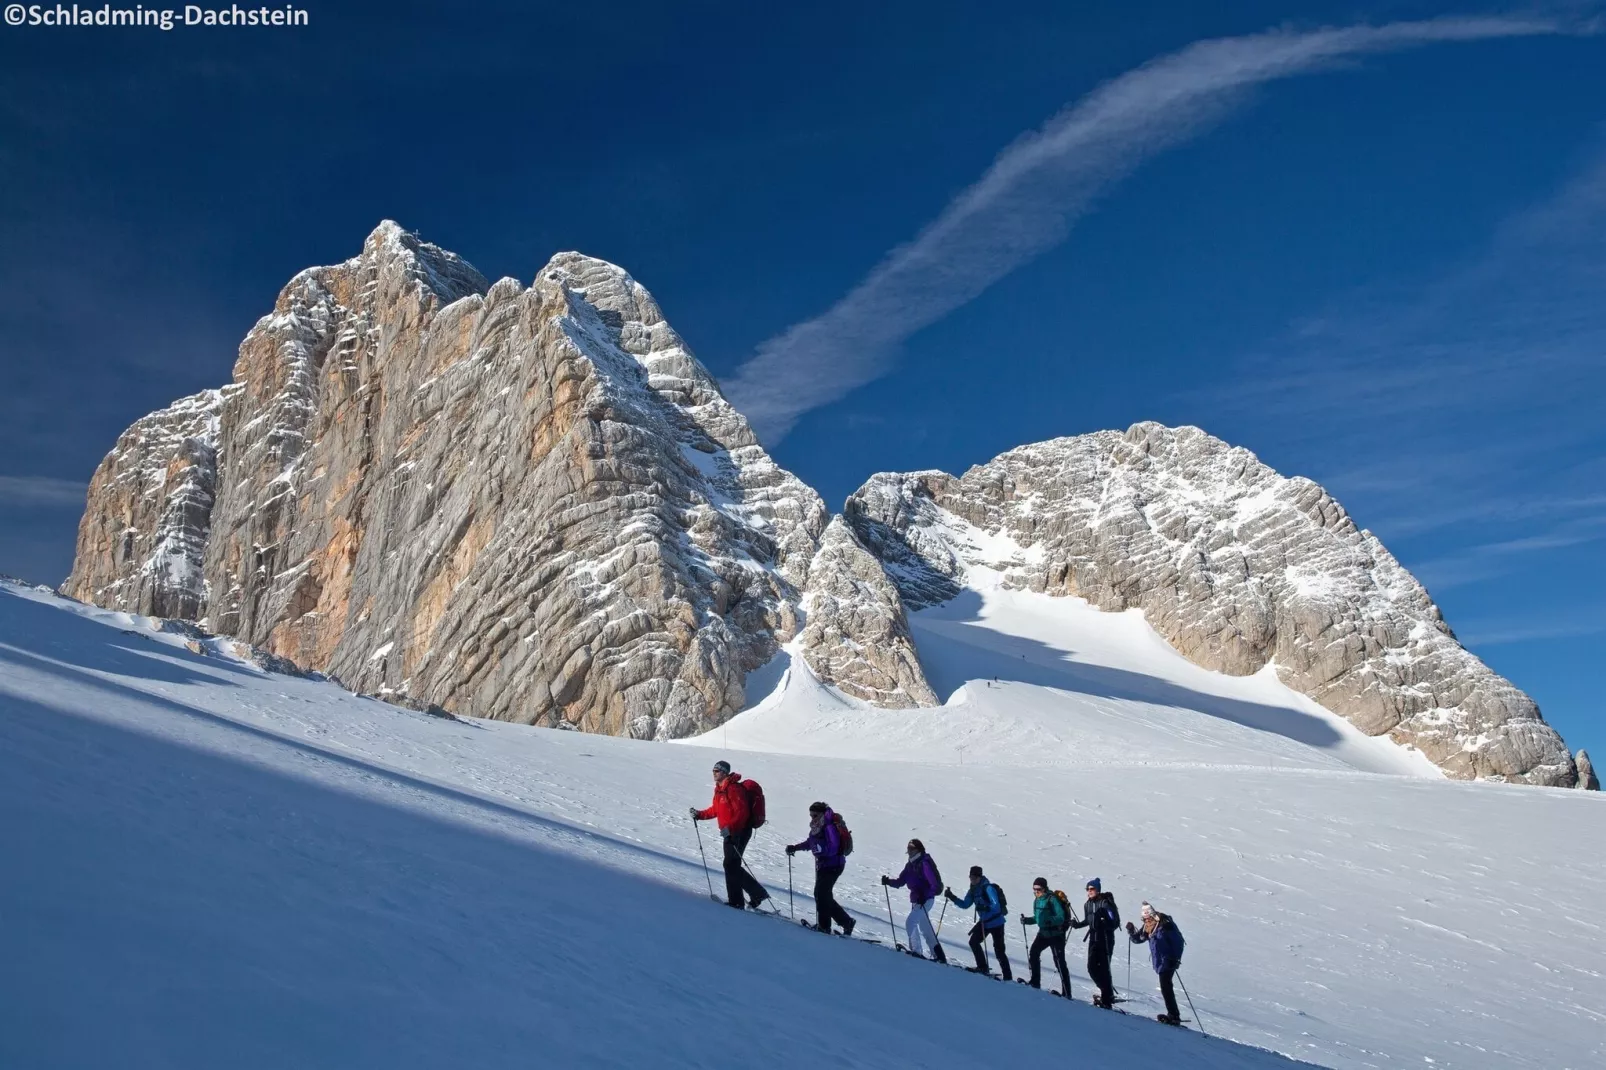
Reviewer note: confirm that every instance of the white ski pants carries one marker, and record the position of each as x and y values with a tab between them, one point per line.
920	930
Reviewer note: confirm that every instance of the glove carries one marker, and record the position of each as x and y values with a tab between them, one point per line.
885	879
948	894
1129	928
791	848
694	816
1024	919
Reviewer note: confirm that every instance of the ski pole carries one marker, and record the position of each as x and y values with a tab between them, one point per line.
790	905
700	851
758	882
890	926
1129	968
943	913
1191	1007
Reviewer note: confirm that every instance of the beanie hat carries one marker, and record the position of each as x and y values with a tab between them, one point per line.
1040	882
1147	910
1095	885
818	808
975	871
722	767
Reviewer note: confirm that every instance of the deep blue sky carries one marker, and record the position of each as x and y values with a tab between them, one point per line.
1388	277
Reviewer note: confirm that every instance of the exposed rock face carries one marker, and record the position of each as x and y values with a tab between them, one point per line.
1586	772
143	538
522	503
857	633
1234	564
533	503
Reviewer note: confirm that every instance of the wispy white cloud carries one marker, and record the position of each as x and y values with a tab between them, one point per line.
1036	190
35	491
1491	559
1533	628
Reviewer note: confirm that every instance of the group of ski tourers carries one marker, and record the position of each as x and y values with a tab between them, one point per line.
738	807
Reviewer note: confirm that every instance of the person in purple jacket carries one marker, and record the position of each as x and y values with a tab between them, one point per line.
825	841
920	876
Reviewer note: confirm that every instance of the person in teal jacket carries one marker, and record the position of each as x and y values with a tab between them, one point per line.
1052	921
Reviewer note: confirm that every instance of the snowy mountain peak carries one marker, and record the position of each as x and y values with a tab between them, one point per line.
1235	565
535	504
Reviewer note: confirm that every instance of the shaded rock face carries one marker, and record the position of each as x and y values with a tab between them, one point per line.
1586	772
142	541
858	634
1234	564
522	503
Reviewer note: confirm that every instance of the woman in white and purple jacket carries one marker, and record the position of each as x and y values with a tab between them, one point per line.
920	876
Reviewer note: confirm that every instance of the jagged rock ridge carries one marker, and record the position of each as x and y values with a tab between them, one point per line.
521	503
1235	565
533	503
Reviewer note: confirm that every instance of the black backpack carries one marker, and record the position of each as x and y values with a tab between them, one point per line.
1003	900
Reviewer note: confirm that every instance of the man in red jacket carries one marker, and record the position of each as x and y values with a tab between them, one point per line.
730	809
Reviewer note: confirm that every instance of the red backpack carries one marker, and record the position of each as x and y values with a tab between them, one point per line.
755	804
844	834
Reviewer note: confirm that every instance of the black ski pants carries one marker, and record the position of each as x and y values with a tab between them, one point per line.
1056	943
978	940
827	909
737	879
1166	991
1098	967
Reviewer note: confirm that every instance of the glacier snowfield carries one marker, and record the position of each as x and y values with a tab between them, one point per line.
206	865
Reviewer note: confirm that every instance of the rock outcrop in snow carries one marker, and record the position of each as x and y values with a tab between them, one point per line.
857	634
1586	772
522	503
1232	563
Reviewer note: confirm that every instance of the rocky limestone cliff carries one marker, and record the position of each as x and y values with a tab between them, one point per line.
142	541
1234	564
533	503
527	503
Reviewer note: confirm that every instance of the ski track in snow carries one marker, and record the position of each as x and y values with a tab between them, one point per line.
210	865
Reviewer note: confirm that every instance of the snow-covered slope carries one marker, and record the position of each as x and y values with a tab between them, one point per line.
211	865
1034	680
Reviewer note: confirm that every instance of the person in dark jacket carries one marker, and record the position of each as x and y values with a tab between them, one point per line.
825	842
730	808
1165	955
1052	921
1102	920
988	900
920	876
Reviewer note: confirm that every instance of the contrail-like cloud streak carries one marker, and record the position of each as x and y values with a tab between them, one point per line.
1038	187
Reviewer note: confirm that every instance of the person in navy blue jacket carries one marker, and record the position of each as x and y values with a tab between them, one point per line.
1165	955
988	899
1102	920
